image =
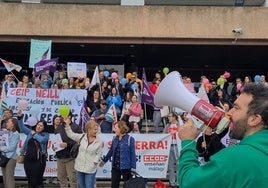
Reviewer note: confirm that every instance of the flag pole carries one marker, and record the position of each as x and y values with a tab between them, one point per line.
14	76
146	122
100	82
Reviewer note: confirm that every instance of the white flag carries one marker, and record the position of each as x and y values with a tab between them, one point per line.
11	66
202	94
111	114
96	78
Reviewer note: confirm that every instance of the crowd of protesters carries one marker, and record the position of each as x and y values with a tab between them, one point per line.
125	94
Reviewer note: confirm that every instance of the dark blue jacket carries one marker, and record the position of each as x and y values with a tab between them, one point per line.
127	152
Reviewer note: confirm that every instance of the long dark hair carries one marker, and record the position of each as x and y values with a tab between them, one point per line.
15	123
44	123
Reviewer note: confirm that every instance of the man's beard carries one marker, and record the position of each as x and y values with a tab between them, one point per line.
239	129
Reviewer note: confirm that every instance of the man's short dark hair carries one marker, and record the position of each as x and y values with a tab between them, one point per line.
259	103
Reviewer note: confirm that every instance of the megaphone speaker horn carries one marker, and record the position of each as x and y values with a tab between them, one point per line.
172	92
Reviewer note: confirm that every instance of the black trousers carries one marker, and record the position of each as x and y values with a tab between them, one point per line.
34	171
116	177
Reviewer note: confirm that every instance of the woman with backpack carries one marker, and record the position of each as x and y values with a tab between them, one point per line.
35	150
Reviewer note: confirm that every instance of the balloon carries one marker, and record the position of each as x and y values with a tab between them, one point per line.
34	111
106	73
123	81
220	81
226	75
64	81
238	86
165	70
114	75
22	104
64	110
31	121
257	78
134	86
128	76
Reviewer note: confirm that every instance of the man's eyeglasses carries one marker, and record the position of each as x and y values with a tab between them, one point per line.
103	103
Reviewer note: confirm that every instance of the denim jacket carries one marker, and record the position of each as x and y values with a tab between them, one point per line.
42	137
127	152
11	150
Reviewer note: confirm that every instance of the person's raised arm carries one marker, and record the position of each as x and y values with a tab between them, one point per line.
22	127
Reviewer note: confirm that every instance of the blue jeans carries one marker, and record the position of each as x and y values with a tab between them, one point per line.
86	180
157	120
172	161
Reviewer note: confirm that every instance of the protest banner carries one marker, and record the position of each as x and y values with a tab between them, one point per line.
152	152
76	69
44	103
40	49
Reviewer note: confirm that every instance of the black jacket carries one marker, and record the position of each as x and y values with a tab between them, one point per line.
65	153
213	142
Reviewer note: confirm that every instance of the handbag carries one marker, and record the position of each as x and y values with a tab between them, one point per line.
135	181
75	148
21	158
3	160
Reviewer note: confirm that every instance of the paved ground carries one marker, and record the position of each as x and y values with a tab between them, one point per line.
100	184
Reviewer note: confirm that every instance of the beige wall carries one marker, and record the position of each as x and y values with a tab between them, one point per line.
169	24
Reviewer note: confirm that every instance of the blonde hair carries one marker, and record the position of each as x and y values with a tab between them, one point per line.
123	127
91	125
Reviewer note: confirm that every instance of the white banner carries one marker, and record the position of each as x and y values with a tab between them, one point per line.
44	103
152	151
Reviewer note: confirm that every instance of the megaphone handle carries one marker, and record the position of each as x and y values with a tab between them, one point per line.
204	139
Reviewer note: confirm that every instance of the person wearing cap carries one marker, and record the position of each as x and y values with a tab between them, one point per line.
123	154
243	165
99	115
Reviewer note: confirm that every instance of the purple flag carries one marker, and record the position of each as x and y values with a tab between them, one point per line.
45	65
147	96
84	116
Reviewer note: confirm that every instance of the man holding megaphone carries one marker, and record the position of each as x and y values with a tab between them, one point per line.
244	165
